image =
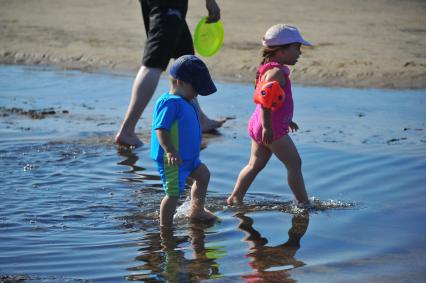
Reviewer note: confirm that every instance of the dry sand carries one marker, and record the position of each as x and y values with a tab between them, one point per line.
358	43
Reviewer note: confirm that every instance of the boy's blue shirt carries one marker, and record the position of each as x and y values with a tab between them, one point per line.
180	118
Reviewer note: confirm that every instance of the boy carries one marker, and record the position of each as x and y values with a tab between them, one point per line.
176	139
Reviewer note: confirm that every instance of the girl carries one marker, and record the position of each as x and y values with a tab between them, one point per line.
268	127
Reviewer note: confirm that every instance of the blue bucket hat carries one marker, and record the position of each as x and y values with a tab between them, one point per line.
190	69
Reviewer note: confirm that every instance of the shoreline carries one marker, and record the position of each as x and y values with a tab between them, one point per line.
337	117
373	45
70	66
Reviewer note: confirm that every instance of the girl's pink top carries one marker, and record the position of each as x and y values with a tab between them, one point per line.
280	117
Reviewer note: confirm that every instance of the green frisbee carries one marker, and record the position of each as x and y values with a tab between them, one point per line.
208	38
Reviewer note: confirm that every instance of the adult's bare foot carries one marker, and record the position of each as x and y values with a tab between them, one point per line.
202	216
234	201
209	125
128	140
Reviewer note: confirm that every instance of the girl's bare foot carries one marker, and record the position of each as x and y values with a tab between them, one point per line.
303	204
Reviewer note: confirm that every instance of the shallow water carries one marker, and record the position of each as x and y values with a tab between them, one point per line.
74	207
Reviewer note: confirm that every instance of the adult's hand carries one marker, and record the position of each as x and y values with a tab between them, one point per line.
214	11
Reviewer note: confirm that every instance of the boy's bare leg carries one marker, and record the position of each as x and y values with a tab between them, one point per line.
168	241
208	124
144	86
259	157
286	151
167	210
201	177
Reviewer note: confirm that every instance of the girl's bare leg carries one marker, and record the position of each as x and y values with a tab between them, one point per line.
286	151
259	157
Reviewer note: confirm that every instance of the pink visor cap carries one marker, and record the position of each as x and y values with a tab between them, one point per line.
282	34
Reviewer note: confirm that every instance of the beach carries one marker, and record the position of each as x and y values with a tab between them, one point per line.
75	207
362	44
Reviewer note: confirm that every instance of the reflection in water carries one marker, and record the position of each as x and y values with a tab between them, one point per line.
130	159
135	174
181	256
271	264
166	254
148	192
165	260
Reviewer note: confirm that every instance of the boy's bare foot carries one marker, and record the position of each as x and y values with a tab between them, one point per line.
209	125
232	200
128	139
202	215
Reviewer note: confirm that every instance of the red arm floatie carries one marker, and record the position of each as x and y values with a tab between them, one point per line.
269	94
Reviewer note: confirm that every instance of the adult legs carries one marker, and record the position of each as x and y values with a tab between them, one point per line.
143	88
208	124
259	157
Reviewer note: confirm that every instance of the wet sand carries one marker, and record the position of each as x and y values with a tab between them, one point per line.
378	43
76	208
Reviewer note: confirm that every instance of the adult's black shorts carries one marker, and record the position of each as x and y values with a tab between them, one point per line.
168	35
